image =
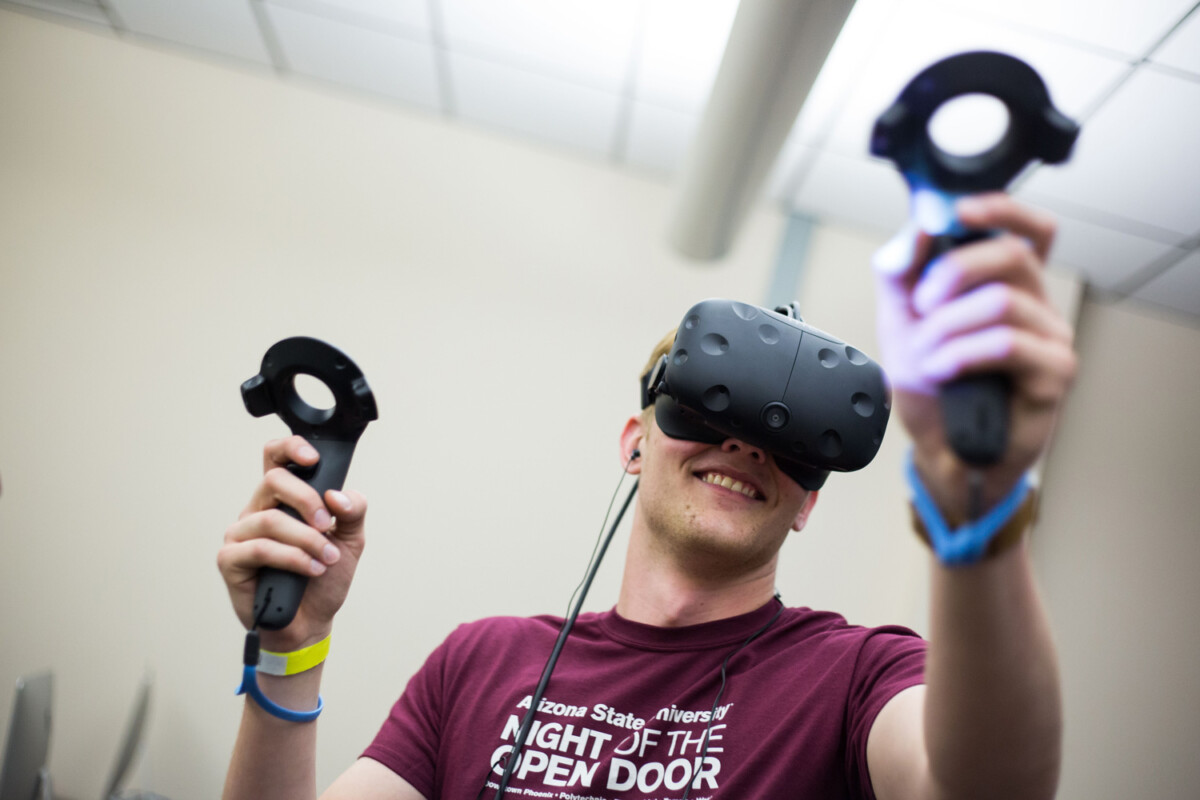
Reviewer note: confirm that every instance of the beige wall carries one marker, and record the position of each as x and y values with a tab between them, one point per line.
164	220
1118	549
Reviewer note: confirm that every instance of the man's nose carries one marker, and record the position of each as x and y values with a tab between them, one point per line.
738	446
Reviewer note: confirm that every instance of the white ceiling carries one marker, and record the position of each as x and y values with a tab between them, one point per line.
626	81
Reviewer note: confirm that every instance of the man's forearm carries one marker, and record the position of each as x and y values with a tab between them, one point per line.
993	712
274	758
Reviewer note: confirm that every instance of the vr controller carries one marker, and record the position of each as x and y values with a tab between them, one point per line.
333	432
975	408
767	378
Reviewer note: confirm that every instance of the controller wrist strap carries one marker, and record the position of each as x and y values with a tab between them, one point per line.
970	543
311	655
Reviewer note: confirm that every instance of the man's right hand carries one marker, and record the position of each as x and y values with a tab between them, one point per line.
325	547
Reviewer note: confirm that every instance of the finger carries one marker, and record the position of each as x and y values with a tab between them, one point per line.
293	449
999	211
1005	259
987	306
279	487
898	262
350	510
240	562
274	525
1042	367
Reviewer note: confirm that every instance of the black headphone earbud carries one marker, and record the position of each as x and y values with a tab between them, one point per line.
636	454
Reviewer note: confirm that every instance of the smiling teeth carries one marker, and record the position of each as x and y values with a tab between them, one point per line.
727	482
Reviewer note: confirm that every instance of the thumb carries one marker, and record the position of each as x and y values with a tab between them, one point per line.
350	510
896	256
900	261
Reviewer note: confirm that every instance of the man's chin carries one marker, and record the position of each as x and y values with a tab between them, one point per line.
725	553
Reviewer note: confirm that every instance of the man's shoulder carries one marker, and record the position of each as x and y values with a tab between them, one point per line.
828	624
487	626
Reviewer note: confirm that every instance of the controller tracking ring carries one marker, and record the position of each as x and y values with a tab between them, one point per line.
1036	129
273	390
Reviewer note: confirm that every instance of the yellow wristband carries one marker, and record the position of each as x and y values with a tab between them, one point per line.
294	662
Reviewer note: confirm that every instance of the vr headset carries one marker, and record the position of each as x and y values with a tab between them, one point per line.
739	371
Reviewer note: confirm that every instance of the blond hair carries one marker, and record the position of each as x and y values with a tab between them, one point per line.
661	349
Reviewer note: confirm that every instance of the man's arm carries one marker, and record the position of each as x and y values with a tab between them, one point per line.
258	770
988	722
370	780
275	758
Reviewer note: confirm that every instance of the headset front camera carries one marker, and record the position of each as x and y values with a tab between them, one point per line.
775	416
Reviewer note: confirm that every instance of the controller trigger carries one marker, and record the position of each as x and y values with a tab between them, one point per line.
302	472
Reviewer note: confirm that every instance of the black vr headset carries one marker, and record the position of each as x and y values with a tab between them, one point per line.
739	371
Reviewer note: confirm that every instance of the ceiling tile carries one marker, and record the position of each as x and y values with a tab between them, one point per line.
549	109
1177	288
410	14
86	10
1129	27
1182	50
219	26
681	48
1147	171
589	41
659	137
877	68
1101	255
356	57
858	191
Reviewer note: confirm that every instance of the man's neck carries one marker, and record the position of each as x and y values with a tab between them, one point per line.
661	592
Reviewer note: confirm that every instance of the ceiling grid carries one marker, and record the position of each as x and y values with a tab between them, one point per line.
625	81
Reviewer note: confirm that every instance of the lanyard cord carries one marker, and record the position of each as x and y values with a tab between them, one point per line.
717	700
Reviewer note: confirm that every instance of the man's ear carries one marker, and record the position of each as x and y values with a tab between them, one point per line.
631	440
802	517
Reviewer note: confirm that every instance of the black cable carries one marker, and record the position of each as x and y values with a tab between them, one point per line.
600	533
551	662
250	648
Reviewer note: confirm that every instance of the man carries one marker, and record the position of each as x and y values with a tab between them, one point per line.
699	681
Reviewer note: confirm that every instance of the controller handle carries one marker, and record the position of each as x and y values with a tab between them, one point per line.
333	432
280	591
975	408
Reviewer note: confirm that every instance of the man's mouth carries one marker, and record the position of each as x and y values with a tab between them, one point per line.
733	484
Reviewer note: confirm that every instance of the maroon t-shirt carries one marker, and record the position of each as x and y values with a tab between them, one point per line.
626	710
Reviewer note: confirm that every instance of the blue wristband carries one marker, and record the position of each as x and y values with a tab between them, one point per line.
967	544
250	686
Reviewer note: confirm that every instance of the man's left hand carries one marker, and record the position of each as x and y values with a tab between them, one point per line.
979	308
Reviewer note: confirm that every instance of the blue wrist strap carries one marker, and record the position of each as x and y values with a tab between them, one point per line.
967	544
250	686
